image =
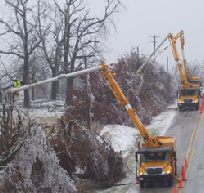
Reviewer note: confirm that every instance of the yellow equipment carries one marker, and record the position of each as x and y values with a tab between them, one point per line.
188	94
195	80
156	157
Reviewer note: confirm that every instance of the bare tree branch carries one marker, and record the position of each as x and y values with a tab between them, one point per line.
10	29
11	53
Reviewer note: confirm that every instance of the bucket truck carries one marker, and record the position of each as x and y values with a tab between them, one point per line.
188	93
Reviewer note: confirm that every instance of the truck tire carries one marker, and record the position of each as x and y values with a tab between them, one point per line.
142	184
181	109
170	182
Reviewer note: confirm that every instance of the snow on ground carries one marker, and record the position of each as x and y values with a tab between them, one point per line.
45	110
160	124
40	113
121	137
173	106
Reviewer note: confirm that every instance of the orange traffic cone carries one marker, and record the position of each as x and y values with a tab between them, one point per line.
180	185
186	163
183	173
175	190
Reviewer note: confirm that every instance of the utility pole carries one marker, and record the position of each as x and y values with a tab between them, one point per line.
138	52
154	41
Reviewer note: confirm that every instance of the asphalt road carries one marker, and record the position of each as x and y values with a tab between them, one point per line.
195	172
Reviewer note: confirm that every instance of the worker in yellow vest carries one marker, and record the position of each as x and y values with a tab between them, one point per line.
17	83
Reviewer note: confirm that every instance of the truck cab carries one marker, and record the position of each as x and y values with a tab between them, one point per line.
188	98
155	165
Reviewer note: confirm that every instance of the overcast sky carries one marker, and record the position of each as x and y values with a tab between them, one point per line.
142	18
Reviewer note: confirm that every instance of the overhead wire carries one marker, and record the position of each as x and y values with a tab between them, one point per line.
142	67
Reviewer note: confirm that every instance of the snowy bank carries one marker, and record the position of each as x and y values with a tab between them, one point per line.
160	124
123	138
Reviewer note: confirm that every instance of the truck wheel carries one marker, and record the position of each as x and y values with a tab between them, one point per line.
181	109
170	182
141	184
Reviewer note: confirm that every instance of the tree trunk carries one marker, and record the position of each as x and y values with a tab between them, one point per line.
69	91
33	81
54	87
54	90
26	101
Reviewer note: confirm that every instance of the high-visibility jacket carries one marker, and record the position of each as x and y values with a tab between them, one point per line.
17	83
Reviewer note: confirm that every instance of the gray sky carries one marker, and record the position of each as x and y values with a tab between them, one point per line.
142	18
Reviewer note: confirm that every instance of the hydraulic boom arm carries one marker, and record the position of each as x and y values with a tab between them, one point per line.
187	79
151	140
182	39
175	52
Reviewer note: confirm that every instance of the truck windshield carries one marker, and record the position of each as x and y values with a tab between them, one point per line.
154	156
190	92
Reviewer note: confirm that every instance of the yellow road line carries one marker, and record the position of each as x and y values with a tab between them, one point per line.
192	136
195	142
191	149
